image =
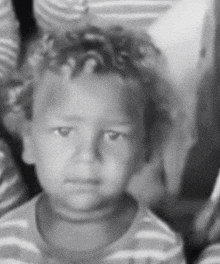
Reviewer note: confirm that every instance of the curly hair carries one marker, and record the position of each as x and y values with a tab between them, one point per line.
99	51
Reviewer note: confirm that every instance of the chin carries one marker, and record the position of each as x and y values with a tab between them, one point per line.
85	204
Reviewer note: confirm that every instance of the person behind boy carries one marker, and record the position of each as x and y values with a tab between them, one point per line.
90	99
13	190
206	229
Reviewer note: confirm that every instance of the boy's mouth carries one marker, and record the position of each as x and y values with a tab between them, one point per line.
83	185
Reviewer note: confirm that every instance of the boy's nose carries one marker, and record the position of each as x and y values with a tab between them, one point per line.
88	149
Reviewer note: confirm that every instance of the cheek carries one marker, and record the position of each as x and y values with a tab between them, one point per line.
129	155
50	158
49	167
121	163
116	174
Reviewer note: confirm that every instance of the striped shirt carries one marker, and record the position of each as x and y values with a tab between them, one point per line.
211	255
64	14
9	38
148	240
13	191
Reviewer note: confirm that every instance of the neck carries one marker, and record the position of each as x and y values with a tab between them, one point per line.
87	233
103	212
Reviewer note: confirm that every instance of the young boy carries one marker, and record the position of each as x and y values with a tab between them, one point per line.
90	100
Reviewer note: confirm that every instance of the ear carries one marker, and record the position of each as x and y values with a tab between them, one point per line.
28	149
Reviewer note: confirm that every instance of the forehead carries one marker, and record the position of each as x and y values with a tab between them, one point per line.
57	93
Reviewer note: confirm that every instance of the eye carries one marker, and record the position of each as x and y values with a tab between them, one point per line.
113	135
62	131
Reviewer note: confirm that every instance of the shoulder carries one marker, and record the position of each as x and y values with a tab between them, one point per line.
17	222
157	238
153	240
211	255
17	232
153	227
24	213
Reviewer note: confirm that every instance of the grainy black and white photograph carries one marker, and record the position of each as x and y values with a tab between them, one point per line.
109	132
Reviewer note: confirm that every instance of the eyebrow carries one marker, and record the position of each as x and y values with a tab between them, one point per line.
75	118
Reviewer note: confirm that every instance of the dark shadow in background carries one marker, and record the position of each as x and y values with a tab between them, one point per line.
24	13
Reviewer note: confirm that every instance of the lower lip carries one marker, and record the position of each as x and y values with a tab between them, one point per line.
82	187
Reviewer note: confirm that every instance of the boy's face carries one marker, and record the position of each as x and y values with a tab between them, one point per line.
84	139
